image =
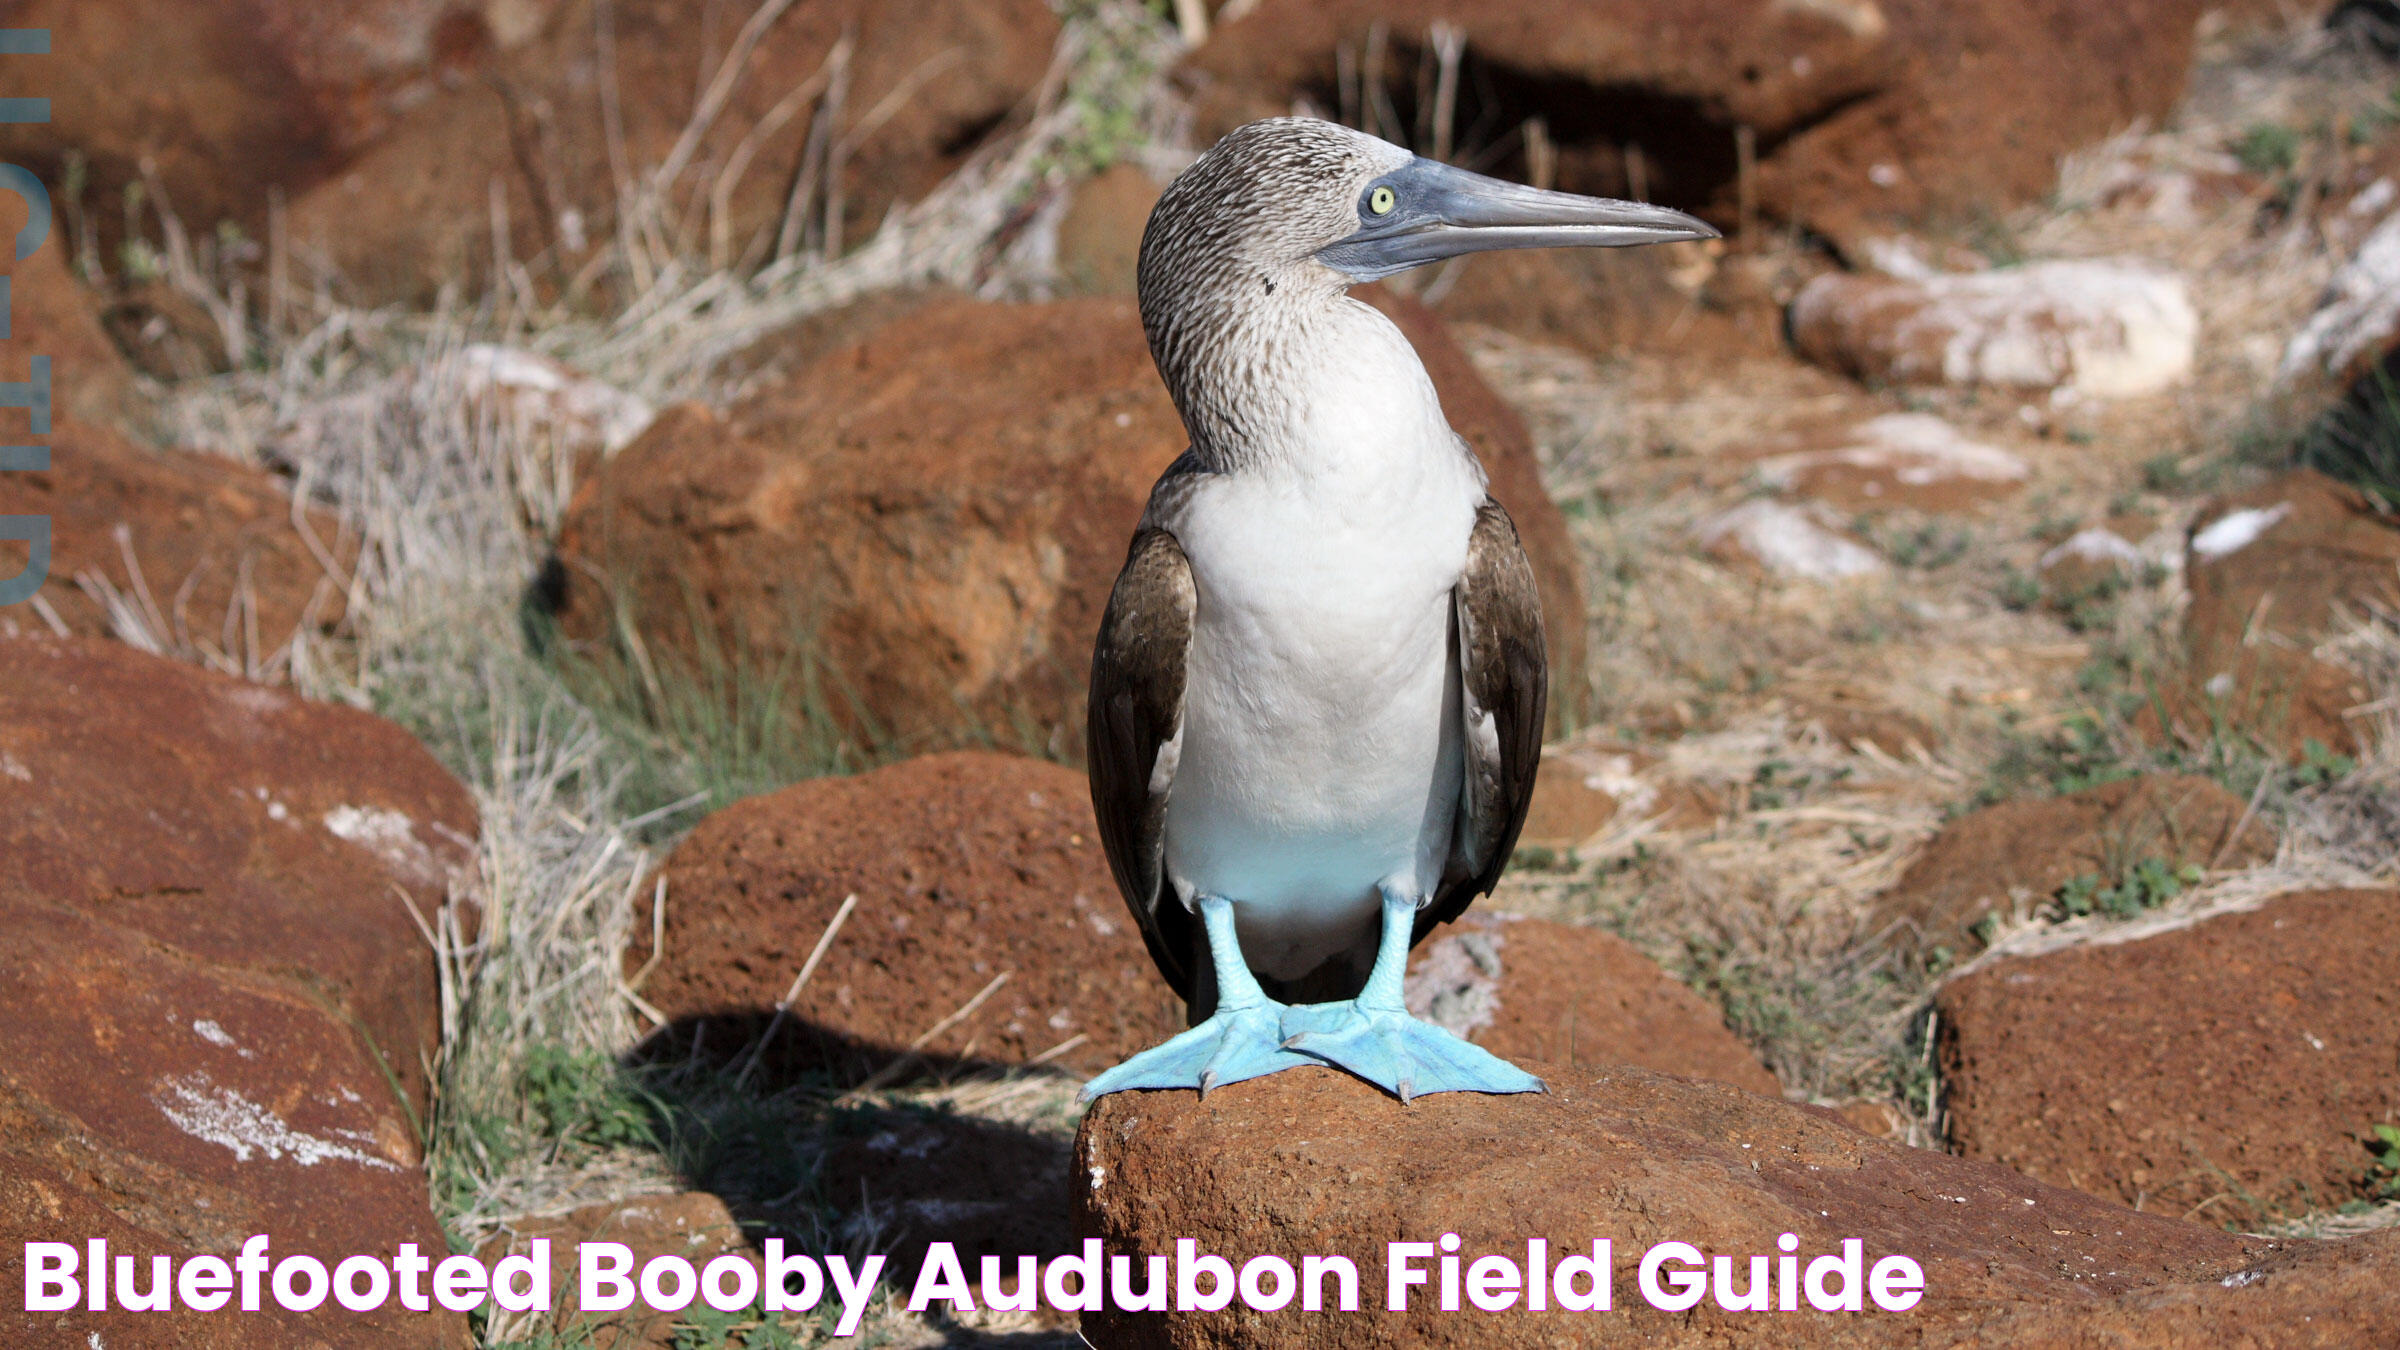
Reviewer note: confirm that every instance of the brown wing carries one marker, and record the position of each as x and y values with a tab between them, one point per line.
1503	679
1136	733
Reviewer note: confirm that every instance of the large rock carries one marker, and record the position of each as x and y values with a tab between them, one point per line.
928	520
2107	329
2271	572
966	866
236	826
2227	1071
919	90
2290	558
228	99
1784	540
2357	319
1863	111
1531	989
1311	1161
51	313
2010	859
203	557
1912	461
220	1007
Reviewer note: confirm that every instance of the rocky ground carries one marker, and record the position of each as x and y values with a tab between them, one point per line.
578	525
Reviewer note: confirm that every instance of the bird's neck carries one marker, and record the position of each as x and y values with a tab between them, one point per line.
1314	385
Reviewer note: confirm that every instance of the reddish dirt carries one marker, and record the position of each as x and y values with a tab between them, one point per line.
234	826
931	517
693	1225
1530	989
220	1009
2227	1071
2015	856
1313	1161
227	99
221	560
1864	114
966	866
415	210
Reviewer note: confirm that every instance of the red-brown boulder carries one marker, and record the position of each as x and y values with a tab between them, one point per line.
967	867
2011	859
2227	1071
227	100
1311	1161
234	826
927	521
220	1007
556	147
200	556
2272	571
1860	112
2287	558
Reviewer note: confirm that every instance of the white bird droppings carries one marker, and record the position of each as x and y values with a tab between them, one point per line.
2237	530
202	1108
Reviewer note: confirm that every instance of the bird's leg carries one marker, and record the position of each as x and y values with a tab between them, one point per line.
1374	1036
1242	1039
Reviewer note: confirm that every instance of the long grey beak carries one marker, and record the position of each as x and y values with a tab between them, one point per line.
1438	211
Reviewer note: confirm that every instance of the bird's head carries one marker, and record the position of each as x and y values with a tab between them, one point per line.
1250	249
1294	202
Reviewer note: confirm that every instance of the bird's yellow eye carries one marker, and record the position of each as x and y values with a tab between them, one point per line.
1381	201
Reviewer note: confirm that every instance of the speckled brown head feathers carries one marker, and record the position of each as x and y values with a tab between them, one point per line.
1228	263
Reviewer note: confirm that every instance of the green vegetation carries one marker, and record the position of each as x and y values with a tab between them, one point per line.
2383	1173
2145	885
1928	547
2268	148
2358	441
2083	753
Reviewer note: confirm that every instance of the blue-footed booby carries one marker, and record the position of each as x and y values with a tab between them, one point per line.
1317	693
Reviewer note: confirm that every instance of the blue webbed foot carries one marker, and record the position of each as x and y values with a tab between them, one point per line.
1233	1045
1396	1052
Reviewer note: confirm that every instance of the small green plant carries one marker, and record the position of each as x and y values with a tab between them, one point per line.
2019	591
2081	754
752	1328
2383	1173
2145	885
2320	766
2164	473
1928	547
586	1100
2268	148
